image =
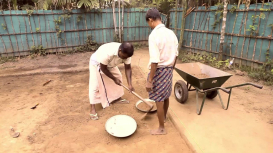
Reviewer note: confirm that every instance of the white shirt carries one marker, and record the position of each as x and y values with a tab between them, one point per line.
163	46
107	54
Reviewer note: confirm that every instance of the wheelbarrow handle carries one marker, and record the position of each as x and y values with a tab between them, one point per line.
213	89
244	84
225	90
255	85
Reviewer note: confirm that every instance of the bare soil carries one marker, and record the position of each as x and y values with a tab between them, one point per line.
61	122
143	106
201	75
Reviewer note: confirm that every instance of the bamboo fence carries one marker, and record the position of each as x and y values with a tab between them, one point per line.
248	32
20	31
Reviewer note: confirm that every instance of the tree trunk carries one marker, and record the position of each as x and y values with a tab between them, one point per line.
114	17
222	38
175	20
182	24
119	32
122	20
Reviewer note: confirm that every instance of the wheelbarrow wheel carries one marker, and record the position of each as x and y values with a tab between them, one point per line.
212	94
181	91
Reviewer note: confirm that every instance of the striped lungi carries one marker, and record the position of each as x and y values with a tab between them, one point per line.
162	84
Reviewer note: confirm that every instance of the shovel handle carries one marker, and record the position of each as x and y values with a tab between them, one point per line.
148	103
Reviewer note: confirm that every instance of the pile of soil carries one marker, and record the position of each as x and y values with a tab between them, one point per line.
143	106
201	76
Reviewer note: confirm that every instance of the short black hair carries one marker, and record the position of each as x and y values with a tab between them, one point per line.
127	48
153	13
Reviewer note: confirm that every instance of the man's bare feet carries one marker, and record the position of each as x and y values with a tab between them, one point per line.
159	131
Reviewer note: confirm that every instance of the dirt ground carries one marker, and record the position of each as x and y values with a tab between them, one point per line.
60	123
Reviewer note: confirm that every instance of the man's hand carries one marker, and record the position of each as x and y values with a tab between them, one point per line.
117	81
149	86
131	88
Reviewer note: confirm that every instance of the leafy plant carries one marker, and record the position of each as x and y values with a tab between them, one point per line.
66	16
7	59
79	18
29	12
58	21
254	26
89	45
271	25
219	10
233	8
264	73
4	26
39	50
252	29
27	7
262	9
87	3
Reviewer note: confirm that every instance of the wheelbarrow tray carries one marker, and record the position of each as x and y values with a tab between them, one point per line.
201	75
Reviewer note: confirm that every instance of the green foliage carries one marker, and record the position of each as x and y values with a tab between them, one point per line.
89	45
139	45
4	26
265	72
29	12
37	29
67	15
79	18
38	50
262	9
58	22
253	28
205	58
219	10
271	25
88	3
27	7
233	8
7	59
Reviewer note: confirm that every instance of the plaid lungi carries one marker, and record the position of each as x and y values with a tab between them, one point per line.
162	84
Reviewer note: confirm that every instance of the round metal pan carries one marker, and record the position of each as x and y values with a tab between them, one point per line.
121	126
145	111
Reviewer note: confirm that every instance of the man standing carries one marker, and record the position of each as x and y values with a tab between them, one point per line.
163	50
105	78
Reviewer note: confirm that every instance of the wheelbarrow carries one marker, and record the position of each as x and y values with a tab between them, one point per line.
204	79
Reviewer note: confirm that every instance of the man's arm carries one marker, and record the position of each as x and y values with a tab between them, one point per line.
128	73
105	70
149	84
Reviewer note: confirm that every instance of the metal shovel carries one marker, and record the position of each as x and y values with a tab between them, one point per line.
148	103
